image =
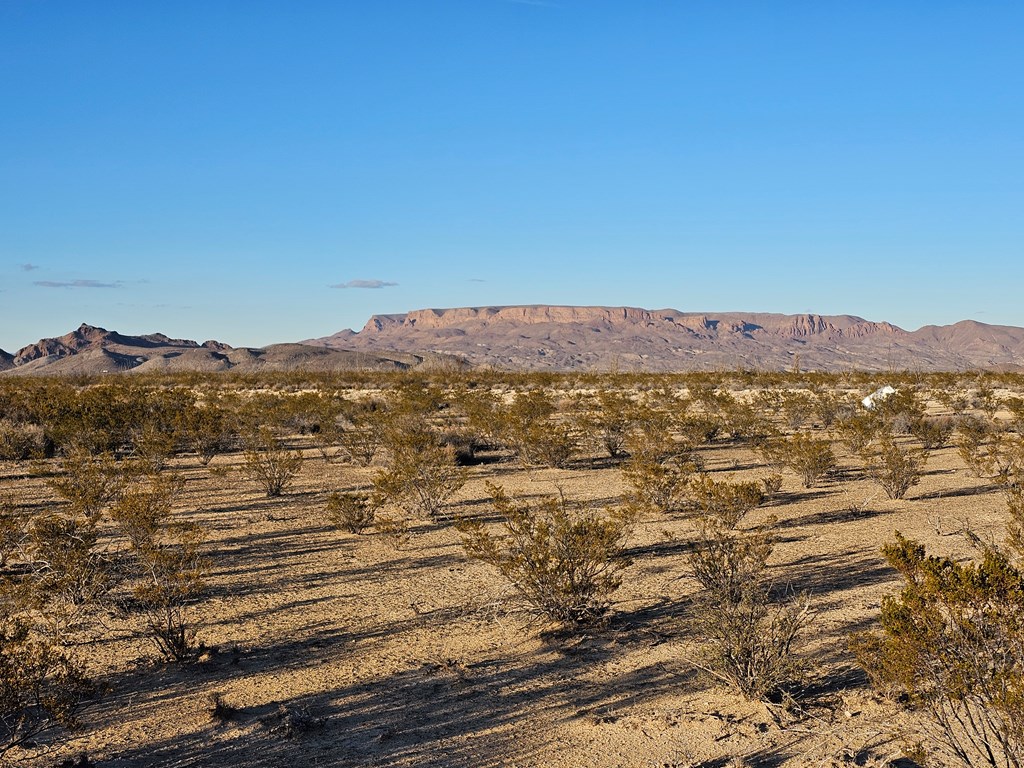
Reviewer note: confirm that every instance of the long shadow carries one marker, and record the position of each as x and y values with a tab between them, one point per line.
974	490
832	517
481	715
827	574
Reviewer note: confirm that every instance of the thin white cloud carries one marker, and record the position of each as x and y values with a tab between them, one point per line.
372	284
26	267
76	284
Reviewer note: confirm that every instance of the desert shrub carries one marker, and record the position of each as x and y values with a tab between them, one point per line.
827	407
894	467
746	422
464	445
724	501
972	438
421	475
352	512
750	637
360	435
167	565
153	446
772	485
952	645
809	457
1015	405
610	419
481	407
699	429
12	528
527	425
769	401
270	465
40	686
933	432
797	408
995	454
395	530
564	561
90	483
985	399
206	430
657	486
955	400
143	508
20	441
171	569
900	410
325	422
859	429
67	570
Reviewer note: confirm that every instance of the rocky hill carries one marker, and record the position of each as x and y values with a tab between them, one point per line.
90	350
629	338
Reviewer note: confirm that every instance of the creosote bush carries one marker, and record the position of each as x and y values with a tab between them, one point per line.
422	474
563	560
168	566
658	487
270	465
67	570
809	457
352	512
725	501
41	687
952	645
528	426
91	482
750	637
896	468
20	441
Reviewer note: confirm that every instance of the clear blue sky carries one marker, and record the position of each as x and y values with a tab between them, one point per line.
210	169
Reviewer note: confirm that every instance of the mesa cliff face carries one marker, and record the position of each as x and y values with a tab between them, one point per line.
540	337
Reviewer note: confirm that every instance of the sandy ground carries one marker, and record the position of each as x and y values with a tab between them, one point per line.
340	650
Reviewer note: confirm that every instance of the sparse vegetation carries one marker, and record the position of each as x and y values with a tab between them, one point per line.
563	560
352	512
138	534
896	468
953	645
270	465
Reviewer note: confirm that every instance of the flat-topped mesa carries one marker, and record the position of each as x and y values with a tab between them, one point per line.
787	326
521	314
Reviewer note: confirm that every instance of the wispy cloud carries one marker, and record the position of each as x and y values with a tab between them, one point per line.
477	280
26	267
76	284
373	284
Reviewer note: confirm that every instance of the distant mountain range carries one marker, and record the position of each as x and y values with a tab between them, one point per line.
557	338
90	350
627	338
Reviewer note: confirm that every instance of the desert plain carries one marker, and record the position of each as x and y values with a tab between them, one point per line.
312	645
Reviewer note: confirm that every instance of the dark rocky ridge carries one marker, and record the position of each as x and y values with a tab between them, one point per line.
540	337
89	350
